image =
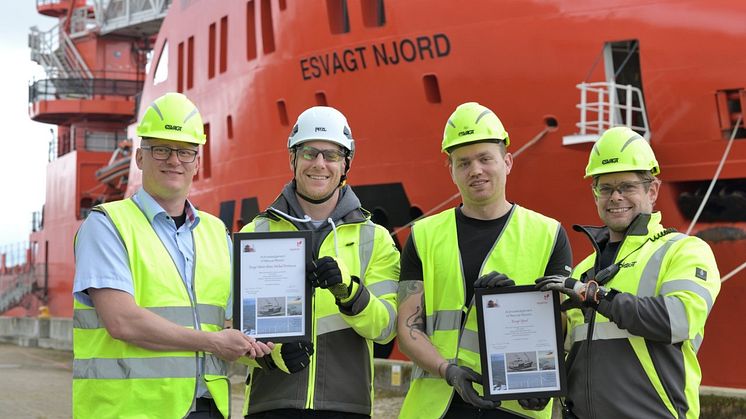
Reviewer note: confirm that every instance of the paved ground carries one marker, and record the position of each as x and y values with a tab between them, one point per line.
36	383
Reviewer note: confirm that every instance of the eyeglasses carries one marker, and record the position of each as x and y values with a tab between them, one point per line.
310	153
624	188
161	152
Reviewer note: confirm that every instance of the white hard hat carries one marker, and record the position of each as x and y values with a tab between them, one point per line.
322	123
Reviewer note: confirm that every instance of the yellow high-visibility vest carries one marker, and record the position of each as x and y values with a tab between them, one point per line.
521	252
112	378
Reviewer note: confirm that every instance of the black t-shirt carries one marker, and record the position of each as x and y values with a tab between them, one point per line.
475	240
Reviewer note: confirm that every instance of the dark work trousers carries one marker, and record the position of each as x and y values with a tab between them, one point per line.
205	409
305	414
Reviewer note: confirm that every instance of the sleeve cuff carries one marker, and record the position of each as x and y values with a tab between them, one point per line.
358	300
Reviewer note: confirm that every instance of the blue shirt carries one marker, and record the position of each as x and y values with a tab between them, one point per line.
101	259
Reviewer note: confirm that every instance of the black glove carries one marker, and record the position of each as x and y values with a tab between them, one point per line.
460	378
533	404
328	273
290	358
493	280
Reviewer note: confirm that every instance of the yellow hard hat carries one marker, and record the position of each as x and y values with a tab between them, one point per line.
621	150
172	117
471	123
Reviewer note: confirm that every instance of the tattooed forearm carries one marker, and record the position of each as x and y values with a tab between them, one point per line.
416	323
407	288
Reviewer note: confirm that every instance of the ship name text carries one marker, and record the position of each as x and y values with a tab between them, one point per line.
381	54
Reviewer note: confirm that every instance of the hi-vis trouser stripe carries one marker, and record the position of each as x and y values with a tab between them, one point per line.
443	320
132	368
208	314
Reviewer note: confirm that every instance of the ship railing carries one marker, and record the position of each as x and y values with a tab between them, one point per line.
16	286
81	22
55	51
20	275
607	104
119	15
82	88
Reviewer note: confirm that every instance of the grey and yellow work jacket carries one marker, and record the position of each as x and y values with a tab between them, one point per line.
522	252
113	378
340	375
636	357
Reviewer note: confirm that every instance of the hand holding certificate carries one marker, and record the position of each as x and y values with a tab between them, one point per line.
272	299
520	342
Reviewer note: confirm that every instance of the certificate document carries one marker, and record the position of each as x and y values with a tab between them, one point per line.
272	300
520	343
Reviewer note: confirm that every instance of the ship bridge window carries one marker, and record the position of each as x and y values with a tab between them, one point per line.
432	88
161	66
180	69
250	30
282	111
206	170
223	44
339	19
211	34
268	31
190	63
321	98
730	105
374	14
103	141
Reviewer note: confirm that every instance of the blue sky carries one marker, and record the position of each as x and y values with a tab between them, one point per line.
23	143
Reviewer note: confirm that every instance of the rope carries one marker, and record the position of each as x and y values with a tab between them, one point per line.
715	178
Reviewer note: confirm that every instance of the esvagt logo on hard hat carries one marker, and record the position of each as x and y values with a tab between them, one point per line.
466	132
609	161
173	127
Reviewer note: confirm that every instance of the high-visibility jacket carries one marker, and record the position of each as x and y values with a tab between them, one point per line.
642	358
521	252
113	378
340	374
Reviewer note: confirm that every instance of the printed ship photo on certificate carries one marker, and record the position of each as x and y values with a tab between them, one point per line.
520	343
271	297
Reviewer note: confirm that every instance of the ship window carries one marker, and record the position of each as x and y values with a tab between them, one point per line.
282	110
227	211
268	32
211	52
283	4
190	63
730	105
373	13
321	98
622	65
206	163
223	44
229	126
250	31
161	66
432	89
249	210
180	73
339	19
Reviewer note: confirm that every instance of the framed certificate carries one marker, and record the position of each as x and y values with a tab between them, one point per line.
520	343
271	297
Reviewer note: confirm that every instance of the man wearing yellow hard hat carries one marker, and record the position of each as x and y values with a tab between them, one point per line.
638	304
486	242
152	288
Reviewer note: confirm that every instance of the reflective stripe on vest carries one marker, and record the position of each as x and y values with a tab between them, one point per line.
130	368
183	316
